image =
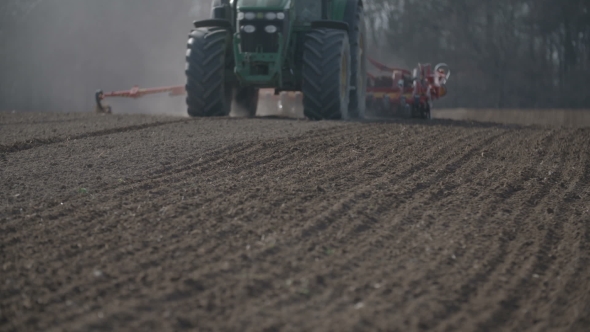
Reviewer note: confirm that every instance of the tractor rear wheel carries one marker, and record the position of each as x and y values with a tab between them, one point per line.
326	74
208	93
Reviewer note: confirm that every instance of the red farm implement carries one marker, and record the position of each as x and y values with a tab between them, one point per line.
399	92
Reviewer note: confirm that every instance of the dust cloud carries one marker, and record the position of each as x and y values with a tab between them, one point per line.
56	54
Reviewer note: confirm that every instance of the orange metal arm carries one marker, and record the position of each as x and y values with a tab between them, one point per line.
136	92
383	67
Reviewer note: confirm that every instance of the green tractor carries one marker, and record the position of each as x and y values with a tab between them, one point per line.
313	46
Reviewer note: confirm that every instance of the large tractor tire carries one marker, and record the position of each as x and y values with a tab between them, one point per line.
326	74
358	60
207	57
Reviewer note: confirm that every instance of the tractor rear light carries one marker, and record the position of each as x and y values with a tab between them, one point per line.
281	16
249	16
249	28
270	16
270	29
240	16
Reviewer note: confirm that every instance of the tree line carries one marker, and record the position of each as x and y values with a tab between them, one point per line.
503	53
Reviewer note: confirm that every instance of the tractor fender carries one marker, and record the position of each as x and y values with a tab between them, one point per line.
350	12
213	23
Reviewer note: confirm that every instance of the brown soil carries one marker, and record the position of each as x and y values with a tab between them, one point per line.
136	223
546	117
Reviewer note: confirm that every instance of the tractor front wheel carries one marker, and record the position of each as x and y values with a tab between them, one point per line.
326	74
208	93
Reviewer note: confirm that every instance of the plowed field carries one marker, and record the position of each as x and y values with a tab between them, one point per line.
146	223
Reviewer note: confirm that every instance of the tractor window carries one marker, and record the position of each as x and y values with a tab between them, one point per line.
308	11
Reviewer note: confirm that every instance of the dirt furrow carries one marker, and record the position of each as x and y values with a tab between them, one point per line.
98	221
413	217
571	262
38	142
316	251
103	253
322	221
529	260
181	172
394	197
84	232
250	224
479	262
362	260
489	271
190	166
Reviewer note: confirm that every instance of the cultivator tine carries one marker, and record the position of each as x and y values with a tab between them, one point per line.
402	92
100	107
